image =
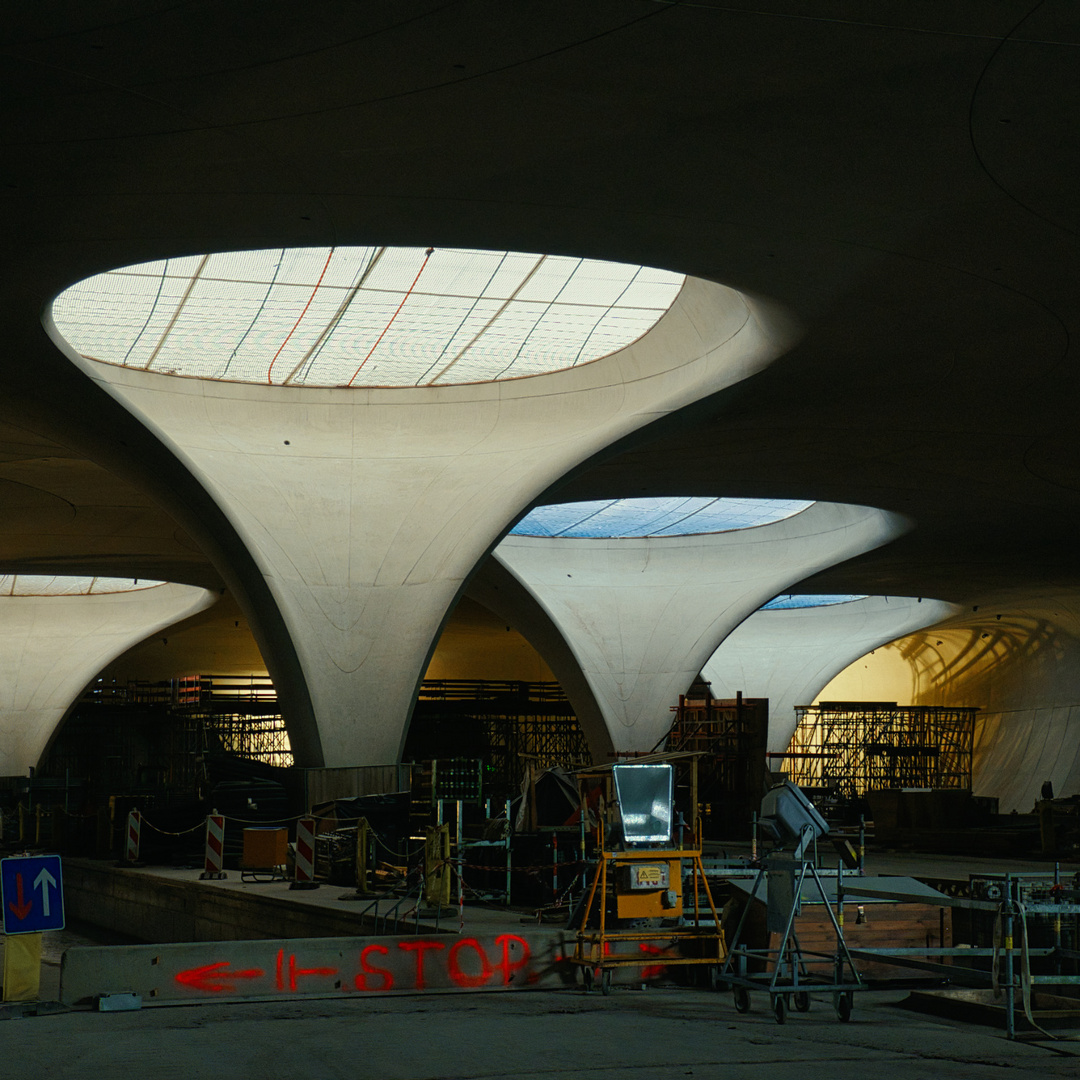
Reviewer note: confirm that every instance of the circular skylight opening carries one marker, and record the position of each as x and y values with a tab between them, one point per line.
49	585
626	518
362	316
810	600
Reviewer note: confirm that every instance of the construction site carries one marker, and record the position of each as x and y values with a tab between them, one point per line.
550	525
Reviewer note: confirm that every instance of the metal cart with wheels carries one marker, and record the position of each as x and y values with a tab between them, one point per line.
789	973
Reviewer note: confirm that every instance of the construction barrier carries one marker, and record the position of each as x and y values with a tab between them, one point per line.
305	854
215	848
437	866
324	967
270	970
22	967
134	828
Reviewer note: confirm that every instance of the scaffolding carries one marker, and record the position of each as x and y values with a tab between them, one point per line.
728	737
152	734
512	723
854	747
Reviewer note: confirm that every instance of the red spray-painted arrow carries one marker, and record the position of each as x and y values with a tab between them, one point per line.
20	907
212	978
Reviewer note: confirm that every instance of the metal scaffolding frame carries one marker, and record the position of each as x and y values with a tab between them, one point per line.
151	735
730	738
155	731
858	746
518	722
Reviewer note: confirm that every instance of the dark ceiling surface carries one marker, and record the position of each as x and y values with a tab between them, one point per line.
899	177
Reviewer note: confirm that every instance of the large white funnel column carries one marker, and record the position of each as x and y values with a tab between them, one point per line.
53	642
643	614
788	653
367	508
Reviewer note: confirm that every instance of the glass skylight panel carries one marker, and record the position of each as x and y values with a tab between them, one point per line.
681	516
810	600
549	281
68	585
363	316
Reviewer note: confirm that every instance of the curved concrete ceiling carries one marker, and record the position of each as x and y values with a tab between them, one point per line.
901	183
787	654
52	645
642	615
367	509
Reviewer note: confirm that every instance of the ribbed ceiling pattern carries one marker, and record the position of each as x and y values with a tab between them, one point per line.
362	316
48	585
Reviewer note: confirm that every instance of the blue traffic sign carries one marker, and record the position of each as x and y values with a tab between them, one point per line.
32	892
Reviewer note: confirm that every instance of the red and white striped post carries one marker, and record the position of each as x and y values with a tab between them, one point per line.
134	828
305	855
215	848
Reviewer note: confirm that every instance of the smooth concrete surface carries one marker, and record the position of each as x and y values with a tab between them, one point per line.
642	615
167	904
159	904
645	1035
52	646
367	509
788	654
1019	665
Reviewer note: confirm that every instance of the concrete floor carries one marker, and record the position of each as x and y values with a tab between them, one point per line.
643	1035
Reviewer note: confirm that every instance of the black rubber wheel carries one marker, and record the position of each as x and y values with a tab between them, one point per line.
587	978
779	1008
801	1000
742	999
843	1007
605	982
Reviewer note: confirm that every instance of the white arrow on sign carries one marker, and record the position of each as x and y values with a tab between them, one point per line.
42	882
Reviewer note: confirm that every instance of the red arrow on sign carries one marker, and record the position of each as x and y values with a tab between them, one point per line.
20	907
211	977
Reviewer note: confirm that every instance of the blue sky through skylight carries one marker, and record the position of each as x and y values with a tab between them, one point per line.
809	600
677	516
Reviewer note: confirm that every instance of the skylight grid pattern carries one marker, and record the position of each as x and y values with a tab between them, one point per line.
66	585
371	316
810	600
627	518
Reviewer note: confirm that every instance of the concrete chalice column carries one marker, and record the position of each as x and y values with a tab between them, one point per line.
367	508
52	646
789	654
643	614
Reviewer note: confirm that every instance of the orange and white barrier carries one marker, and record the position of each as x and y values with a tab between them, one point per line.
215	848
305	855
134	828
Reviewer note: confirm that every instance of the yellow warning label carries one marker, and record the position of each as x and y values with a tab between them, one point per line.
650	877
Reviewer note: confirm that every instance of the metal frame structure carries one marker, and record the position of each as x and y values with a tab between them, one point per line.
595	951
520	721
1009	968
791	980
729	739
860	746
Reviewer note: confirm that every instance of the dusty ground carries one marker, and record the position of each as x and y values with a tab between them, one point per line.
641	1035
